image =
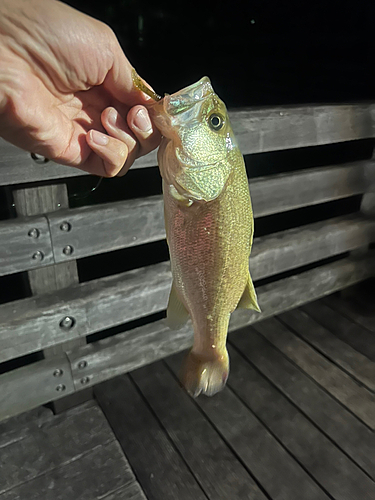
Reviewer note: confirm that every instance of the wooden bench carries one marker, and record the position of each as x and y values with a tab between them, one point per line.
47	238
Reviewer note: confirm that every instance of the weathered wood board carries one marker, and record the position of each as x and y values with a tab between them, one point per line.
109	301
101	360
339	352
71	456
257	130
135	222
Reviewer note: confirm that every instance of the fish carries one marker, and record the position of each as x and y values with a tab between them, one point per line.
209	227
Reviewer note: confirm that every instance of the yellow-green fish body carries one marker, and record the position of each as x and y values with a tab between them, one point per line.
209	226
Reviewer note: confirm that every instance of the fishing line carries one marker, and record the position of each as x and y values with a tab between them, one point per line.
85	195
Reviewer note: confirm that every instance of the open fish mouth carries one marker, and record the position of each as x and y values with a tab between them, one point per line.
188	97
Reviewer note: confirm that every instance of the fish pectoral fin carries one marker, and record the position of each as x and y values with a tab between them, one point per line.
177	314
249	297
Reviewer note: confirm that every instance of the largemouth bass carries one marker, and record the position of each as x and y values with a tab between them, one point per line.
209	226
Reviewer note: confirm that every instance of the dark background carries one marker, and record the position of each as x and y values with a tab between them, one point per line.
255	52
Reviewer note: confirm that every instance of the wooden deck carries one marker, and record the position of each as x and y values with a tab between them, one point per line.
296	422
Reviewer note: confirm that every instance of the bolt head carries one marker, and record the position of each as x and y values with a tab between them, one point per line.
68	250
82	364
85	380
38	256
67	323
65	226
60	388
34	233
58	372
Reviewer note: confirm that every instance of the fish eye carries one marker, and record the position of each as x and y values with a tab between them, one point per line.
216	121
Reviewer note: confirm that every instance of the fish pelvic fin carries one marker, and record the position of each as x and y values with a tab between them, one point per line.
177	314
205	375
249	297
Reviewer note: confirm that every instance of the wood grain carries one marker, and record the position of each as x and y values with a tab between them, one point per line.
257	130
107	227
342	427
266	459
34	385
124	352
353	334
20	240
343	355
339	384
154	459
327	464
222	476
105	302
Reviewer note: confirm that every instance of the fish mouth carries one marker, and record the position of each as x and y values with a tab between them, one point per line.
185	99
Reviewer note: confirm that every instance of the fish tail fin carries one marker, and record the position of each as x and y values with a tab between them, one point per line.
206	375
249	298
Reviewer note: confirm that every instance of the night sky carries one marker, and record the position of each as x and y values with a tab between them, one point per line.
256	52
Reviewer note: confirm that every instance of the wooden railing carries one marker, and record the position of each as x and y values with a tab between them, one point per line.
62	312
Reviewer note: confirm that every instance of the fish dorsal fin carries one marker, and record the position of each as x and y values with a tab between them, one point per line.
249	297
177	314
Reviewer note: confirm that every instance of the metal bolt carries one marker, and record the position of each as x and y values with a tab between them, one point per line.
67	322
34	233
38	256
68	250
82	365
65	226
58	372
60	388
39	159
85	380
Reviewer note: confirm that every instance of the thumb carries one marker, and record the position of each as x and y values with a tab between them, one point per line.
119	80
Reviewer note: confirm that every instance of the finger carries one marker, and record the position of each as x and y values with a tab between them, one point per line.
145	132
119	80
117	127
112	151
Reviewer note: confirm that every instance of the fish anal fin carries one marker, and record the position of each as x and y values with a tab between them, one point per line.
177	314
249	297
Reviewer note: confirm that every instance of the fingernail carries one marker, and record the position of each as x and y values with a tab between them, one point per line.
142	121
99	138
112	117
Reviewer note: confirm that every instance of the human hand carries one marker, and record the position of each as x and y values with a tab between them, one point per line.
66	89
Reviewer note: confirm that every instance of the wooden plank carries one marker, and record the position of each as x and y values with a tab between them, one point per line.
102	470
105	302
131	491
33	201
331	417
353	362
360	311
267	460
35	322
216	468
331	468
282	192
99	361
34	385
25	244
353	334
129	350
368	199
299	246
159	468
17	428
53	444
336	382
106	227
257	130
134	222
